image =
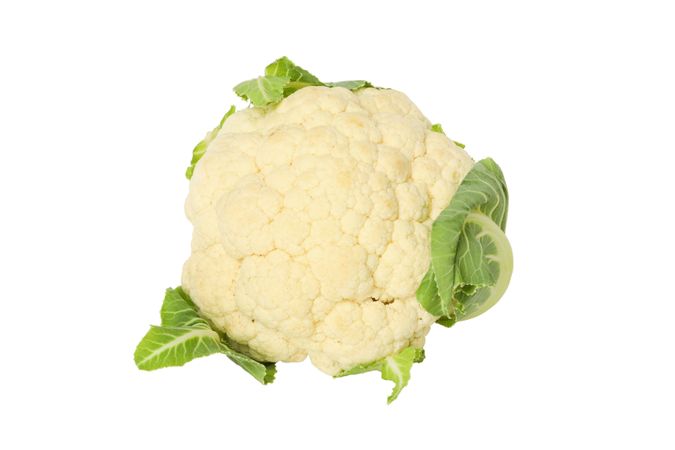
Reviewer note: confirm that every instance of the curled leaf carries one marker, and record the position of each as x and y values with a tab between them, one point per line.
200	148
471	259
184	335
282	78
394	368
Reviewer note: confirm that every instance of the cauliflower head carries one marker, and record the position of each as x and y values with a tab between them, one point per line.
312	225
331	220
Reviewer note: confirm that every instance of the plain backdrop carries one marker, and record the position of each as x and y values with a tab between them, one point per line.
102	102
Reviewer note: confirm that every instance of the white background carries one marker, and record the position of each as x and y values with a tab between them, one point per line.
102	102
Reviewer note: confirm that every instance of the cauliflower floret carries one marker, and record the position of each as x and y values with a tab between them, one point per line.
311	225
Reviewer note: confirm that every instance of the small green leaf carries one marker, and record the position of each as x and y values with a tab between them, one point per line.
185	335
352	85
263	372
285	68
394	368
296	75
200	148
397	369
179	311
439	129
427	295
471	260
282	78
262	91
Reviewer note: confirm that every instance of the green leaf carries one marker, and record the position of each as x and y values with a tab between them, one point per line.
427	293
185	335
473	269
352	85
394	368
285	68
485	264
178	310
174	346
296	75
261	371
437	128
200	148
471	259
262	91
282	78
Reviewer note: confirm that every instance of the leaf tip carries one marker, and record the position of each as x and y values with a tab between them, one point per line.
270	373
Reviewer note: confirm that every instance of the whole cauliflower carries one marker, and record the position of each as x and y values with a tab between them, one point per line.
331	220
312	222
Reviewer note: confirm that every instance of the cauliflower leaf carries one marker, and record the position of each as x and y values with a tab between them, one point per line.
184	335
174	346
296	76
282	78
352	85
200	148
262	90
394	368
439	129
471	259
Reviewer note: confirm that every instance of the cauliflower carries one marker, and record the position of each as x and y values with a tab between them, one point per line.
311	225
313	214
